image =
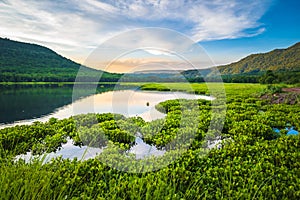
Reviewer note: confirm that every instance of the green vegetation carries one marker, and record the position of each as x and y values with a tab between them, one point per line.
23	62
254	162
288	77
272	89
190	88
268	77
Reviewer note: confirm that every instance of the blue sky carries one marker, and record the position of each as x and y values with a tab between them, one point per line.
227	30
282	29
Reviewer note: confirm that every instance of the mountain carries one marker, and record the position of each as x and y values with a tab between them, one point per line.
277	66
277	60
30	62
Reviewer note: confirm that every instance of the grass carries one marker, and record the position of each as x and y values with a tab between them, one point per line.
202	88
25	181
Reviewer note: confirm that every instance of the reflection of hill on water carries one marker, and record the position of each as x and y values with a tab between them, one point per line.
20	102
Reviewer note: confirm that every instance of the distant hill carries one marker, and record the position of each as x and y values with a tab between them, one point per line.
284	65
30	62
196	75
158	72
154	76
276	60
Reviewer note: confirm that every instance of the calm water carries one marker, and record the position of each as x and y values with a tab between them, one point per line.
68	150
19	102
26	104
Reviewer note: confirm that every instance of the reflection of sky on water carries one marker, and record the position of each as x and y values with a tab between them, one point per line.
127	102
142	149
68	150
290	131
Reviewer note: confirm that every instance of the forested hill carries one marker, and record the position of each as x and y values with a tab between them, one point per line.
276	60
30	62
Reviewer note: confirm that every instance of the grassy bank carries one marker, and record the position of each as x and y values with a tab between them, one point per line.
202	88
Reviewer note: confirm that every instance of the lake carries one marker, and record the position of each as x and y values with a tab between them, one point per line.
24	104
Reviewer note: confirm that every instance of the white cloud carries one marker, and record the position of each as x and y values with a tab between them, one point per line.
94	5
74	26
158	52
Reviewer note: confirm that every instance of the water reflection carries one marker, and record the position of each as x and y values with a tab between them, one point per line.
142	149
70	151
127	102
25	102
19	102
290	131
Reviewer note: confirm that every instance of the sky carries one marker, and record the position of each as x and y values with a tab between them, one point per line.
225	30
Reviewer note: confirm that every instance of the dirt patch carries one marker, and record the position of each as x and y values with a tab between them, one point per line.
289	96
295	90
